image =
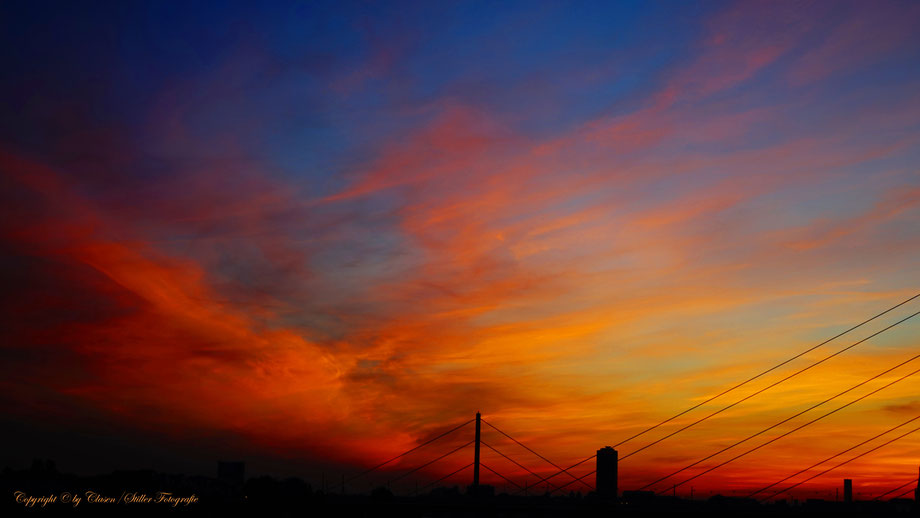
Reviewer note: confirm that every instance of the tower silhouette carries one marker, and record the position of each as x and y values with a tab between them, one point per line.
917	492
606	479
847	490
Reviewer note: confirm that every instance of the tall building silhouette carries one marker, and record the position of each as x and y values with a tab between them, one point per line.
847	490
917	492
606	479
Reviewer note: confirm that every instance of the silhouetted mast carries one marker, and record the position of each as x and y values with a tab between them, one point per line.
476	451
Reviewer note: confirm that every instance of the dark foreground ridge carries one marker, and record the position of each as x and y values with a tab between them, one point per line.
43	491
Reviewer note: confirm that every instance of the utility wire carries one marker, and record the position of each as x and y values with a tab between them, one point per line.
778	437
445	477
426	443
863	454
768	387
502	476
902	486
786	420
531	451
851	448
510	459
413	470
778	365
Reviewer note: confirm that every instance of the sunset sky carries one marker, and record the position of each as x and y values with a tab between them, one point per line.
312	235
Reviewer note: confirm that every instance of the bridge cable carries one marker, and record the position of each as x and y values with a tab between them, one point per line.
778	365
902	494
902	486
717	466
531	451
768	387
413	470
544	479
572	482
445	477
502	476
426	443
784	421
851	448
510	459
579	463
844	462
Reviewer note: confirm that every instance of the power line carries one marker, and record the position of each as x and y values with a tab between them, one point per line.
902	486
786	420
413	470
745	382
530	450
445	477
717	466
768	387
510	459
844	462
502	476
403	454
851	448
